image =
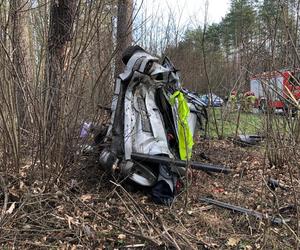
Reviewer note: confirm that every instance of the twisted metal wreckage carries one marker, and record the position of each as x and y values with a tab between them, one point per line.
153	120
150	137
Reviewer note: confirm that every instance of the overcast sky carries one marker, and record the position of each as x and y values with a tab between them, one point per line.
191	11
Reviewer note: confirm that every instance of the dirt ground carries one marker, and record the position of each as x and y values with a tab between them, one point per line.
87	210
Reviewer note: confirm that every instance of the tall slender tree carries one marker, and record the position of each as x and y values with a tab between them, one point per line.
20	43
62	14
124	31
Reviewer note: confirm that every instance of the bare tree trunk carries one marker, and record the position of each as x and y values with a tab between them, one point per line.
20	41
124	39
62	14
124	31
8	111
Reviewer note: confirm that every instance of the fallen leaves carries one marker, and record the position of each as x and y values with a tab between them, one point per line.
68	217
86	197
233	241
11	208
121	236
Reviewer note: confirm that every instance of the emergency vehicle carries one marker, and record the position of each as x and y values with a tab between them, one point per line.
274	89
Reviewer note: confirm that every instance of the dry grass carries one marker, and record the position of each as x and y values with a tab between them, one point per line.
86	210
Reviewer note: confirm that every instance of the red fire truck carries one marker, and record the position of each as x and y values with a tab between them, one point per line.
274	89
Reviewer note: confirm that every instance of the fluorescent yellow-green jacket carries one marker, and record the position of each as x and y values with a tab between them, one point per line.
251	99
232	99
185	136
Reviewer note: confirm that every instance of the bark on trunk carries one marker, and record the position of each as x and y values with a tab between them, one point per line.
124	31
62	14
21	56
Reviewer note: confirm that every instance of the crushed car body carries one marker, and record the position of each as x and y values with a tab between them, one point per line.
153	120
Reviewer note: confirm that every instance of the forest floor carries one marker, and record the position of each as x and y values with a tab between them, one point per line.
86	210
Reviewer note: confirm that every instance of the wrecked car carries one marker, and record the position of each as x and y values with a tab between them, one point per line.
153	120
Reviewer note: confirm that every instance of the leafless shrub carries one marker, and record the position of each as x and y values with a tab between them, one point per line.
84	80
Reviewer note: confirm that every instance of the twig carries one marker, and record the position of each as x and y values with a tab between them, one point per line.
149	239
138	207
2	184
131	212
134	246
170	238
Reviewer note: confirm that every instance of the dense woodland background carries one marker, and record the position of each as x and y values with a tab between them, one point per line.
255	36
59	59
